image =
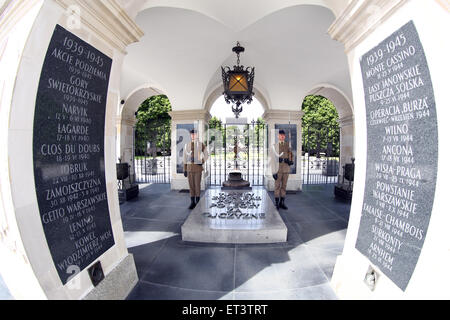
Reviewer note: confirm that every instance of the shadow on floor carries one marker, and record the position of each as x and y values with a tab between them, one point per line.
171	269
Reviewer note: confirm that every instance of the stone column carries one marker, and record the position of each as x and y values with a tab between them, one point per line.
181	122
125	136
347	141
284	117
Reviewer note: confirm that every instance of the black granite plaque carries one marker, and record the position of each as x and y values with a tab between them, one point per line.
291	138
68	152
402	154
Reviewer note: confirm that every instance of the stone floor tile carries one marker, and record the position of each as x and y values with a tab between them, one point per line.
151	291
189	267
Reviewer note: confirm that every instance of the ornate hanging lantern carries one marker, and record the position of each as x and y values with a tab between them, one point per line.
238	83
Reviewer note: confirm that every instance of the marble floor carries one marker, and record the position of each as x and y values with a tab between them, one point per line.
171	269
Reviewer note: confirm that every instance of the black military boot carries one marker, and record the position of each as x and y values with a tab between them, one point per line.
192	206
277	203
197	200
283	205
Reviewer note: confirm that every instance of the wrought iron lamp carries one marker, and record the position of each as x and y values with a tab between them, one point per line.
238	83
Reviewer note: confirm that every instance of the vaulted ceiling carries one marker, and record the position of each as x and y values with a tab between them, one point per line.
186	43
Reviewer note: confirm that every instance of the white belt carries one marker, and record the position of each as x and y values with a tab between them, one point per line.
276	153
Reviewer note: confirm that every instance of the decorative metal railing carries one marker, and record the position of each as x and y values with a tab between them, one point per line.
320	161
243	148
153	170
153	164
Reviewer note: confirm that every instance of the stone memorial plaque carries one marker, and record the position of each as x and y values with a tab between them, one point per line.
402	154
68	153
235	216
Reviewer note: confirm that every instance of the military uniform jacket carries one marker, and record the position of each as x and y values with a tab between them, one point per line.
194	156
284	152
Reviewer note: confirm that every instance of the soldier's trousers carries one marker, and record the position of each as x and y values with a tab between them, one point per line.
281	185
195	180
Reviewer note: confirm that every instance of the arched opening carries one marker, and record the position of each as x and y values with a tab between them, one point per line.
221	110
321	141
152	143
191	77
215	99
236	144
345	113
126	125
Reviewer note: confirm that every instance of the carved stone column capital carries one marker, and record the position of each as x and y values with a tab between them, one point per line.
190	115
283	116
107	19
347	121
360	19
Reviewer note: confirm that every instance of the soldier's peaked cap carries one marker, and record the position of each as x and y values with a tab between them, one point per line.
283	132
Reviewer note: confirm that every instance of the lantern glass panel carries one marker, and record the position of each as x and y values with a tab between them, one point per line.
238	82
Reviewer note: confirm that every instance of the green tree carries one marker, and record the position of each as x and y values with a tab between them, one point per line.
153	125
320	125
215	123
260	126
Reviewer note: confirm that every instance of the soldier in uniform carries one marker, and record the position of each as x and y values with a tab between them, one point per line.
282	160
194	157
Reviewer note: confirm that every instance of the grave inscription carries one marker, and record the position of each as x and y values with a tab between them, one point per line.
402	154
68	153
